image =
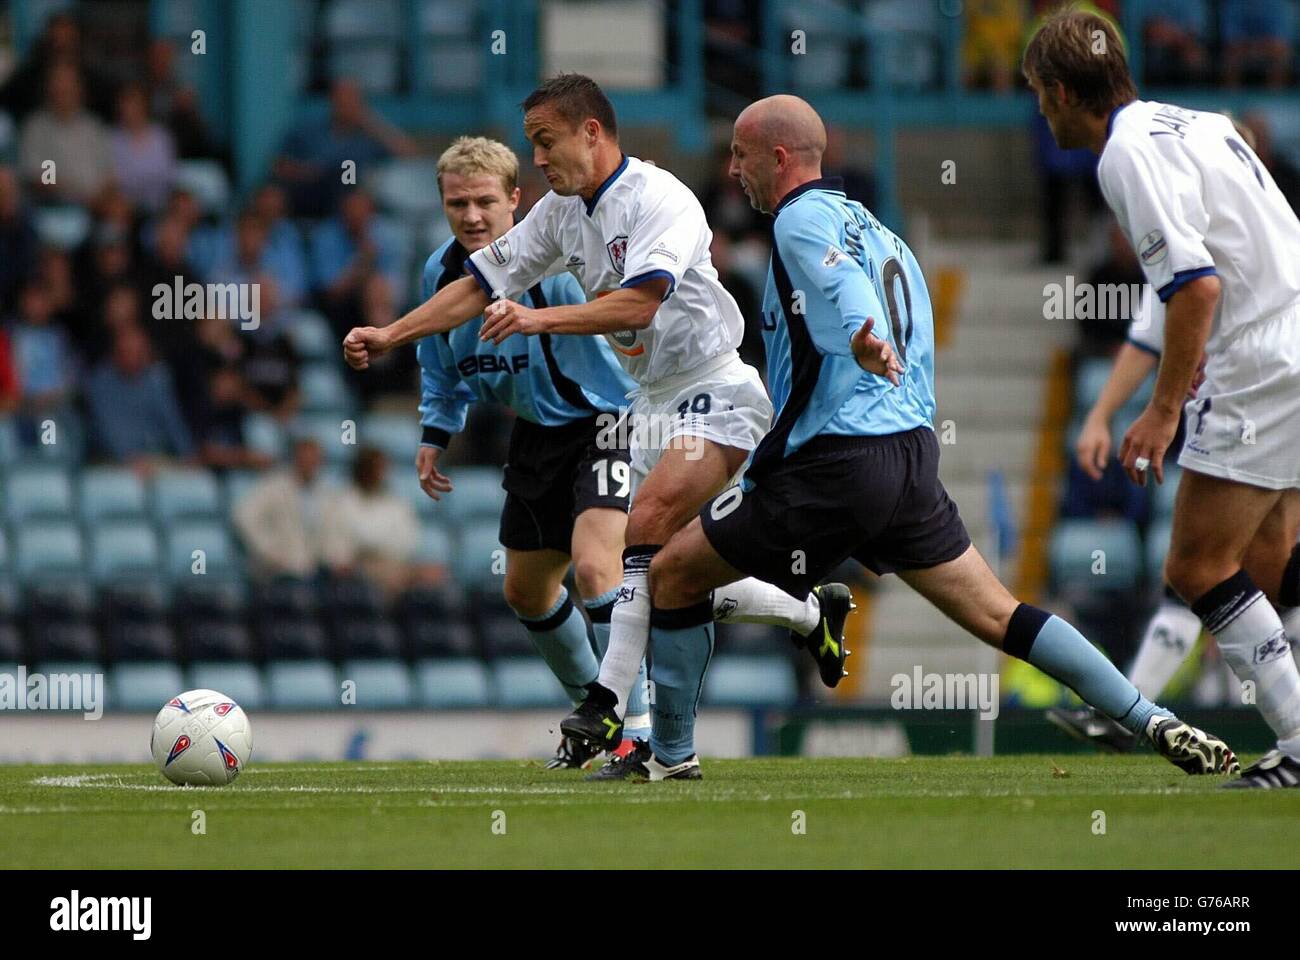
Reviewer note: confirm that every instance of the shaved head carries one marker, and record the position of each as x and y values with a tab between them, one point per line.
777	144
784	121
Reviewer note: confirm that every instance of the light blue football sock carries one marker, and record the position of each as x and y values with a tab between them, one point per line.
560	636
1063	653
681	645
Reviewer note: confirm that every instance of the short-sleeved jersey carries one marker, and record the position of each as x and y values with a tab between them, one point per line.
834	266
642	224
1147	328
550	381
1195	200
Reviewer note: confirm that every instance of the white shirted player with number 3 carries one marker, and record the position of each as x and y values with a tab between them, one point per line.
1220	246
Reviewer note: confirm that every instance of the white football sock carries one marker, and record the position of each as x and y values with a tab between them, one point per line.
754	601
629	635
1169	640
1250	637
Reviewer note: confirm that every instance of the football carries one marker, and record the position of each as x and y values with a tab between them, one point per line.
201	738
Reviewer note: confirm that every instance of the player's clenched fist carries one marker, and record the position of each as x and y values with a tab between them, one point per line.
363	344
875	355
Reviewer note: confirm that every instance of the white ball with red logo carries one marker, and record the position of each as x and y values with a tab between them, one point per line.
201	738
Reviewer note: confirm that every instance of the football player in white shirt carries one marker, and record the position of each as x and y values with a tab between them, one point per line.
637	240
1171	633
1221	247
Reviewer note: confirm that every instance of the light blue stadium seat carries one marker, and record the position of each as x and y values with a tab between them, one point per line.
310	336
408	187
303	685
477	493
144	686
241	682
327	430
220	557
37	491
82	668
64	228
436	543
526	682
1157	548
397	434
185	493
110	493
263	433
452	683
745	680
48	547
1164	494
363	19
120	548
323	389
10	451
381	684
237	484
207	181
375	66
479	557
447	17
1074	543
1088	382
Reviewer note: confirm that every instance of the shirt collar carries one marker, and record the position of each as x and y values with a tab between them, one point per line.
1110	121
822	183
609	181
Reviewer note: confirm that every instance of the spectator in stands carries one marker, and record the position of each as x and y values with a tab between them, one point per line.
1102	333
731	34
859	184
286	252
177	106
285	519
376	529
1254	34
144	158
105	262
1174	33
135	418
18	241
396	372
1285	173
59	42
345	251
43	360
991	46
311	162
219	427
65	134
742	290
1065	173
250	259
54	267
11	392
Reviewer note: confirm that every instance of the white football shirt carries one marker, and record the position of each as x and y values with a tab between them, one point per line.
1195	200
643	223
1147	328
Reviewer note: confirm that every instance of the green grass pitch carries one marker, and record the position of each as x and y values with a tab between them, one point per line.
1019	811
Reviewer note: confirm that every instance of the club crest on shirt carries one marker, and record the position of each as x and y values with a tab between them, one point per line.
1153	248
617	249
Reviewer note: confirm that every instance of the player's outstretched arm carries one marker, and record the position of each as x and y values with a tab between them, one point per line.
455	304
630	308
1132	364
1188	318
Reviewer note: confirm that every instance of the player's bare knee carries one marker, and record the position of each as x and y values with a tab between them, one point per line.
526	597
594	575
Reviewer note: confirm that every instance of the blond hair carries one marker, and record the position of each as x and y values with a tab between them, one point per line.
475	156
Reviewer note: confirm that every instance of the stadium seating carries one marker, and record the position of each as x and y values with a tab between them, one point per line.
144	686
442	684
526	682
380	684
302	685
736	680
37	491
1095	555
240	681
